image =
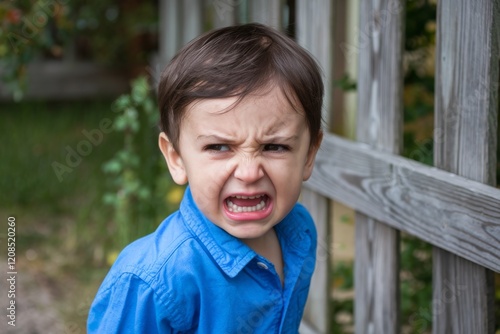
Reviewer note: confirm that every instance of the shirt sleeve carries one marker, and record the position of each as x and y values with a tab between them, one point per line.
128	305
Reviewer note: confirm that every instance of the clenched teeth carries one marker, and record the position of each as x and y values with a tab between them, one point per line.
236	208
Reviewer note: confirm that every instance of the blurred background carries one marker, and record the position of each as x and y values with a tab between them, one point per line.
80	169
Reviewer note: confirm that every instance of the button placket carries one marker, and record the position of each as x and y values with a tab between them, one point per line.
270	273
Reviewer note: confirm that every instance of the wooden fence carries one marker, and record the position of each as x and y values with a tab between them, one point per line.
454	205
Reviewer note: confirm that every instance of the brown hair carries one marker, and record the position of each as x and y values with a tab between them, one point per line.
236	61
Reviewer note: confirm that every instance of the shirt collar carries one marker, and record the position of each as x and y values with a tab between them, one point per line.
230	253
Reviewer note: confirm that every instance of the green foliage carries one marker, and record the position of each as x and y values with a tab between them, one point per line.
64	230
416	284
116	33
420	24
416	262
25	33
110	32
342	309
421	151
346	83
136	174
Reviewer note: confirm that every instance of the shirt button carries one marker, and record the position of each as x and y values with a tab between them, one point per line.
262	265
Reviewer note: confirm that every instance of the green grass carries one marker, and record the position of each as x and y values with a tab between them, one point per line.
62	223
34	136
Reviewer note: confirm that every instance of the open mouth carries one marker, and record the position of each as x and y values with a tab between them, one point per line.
240	203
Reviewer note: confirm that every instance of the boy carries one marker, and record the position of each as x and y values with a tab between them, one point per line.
241	123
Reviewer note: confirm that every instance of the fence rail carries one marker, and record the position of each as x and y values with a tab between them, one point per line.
447	210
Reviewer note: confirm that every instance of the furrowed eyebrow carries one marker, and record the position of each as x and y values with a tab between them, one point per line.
282	138
221	139
213	138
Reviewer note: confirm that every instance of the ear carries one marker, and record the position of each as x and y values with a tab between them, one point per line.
311	155
173	158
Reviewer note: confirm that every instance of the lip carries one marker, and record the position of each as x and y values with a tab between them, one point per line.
248	216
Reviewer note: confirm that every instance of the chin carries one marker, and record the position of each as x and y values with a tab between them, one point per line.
253	233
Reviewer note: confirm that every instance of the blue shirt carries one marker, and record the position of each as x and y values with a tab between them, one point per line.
190	276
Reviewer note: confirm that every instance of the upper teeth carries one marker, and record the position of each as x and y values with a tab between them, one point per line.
248	197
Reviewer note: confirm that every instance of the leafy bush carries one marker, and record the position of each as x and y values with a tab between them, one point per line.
139	187
26	33
111	32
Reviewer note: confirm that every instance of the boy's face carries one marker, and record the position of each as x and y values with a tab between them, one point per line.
245	165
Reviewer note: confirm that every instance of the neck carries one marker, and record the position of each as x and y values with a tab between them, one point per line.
269	247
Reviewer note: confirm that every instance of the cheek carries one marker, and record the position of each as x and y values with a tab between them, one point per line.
286	175
290	173
208	177
292	166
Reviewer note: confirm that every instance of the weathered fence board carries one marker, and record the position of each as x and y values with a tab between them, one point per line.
379	125
169	25
376	270
380	79
266	11
224	13
314	33
192	19
457	214
180	22
465	144
316	312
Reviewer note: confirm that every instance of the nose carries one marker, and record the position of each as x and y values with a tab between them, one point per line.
248	169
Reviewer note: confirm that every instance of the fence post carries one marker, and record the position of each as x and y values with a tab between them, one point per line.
224	13
466	103
267	12
316	311
180	22
169	25
379	124
192	20
314	32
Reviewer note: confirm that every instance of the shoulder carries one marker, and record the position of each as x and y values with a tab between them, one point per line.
298	230
300	210
153	274
301	216
146	256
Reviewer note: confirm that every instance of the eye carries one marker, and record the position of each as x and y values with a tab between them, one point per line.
217	147
276	148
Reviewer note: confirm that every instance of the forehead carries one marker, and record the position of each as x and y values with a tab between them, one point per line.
265	106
